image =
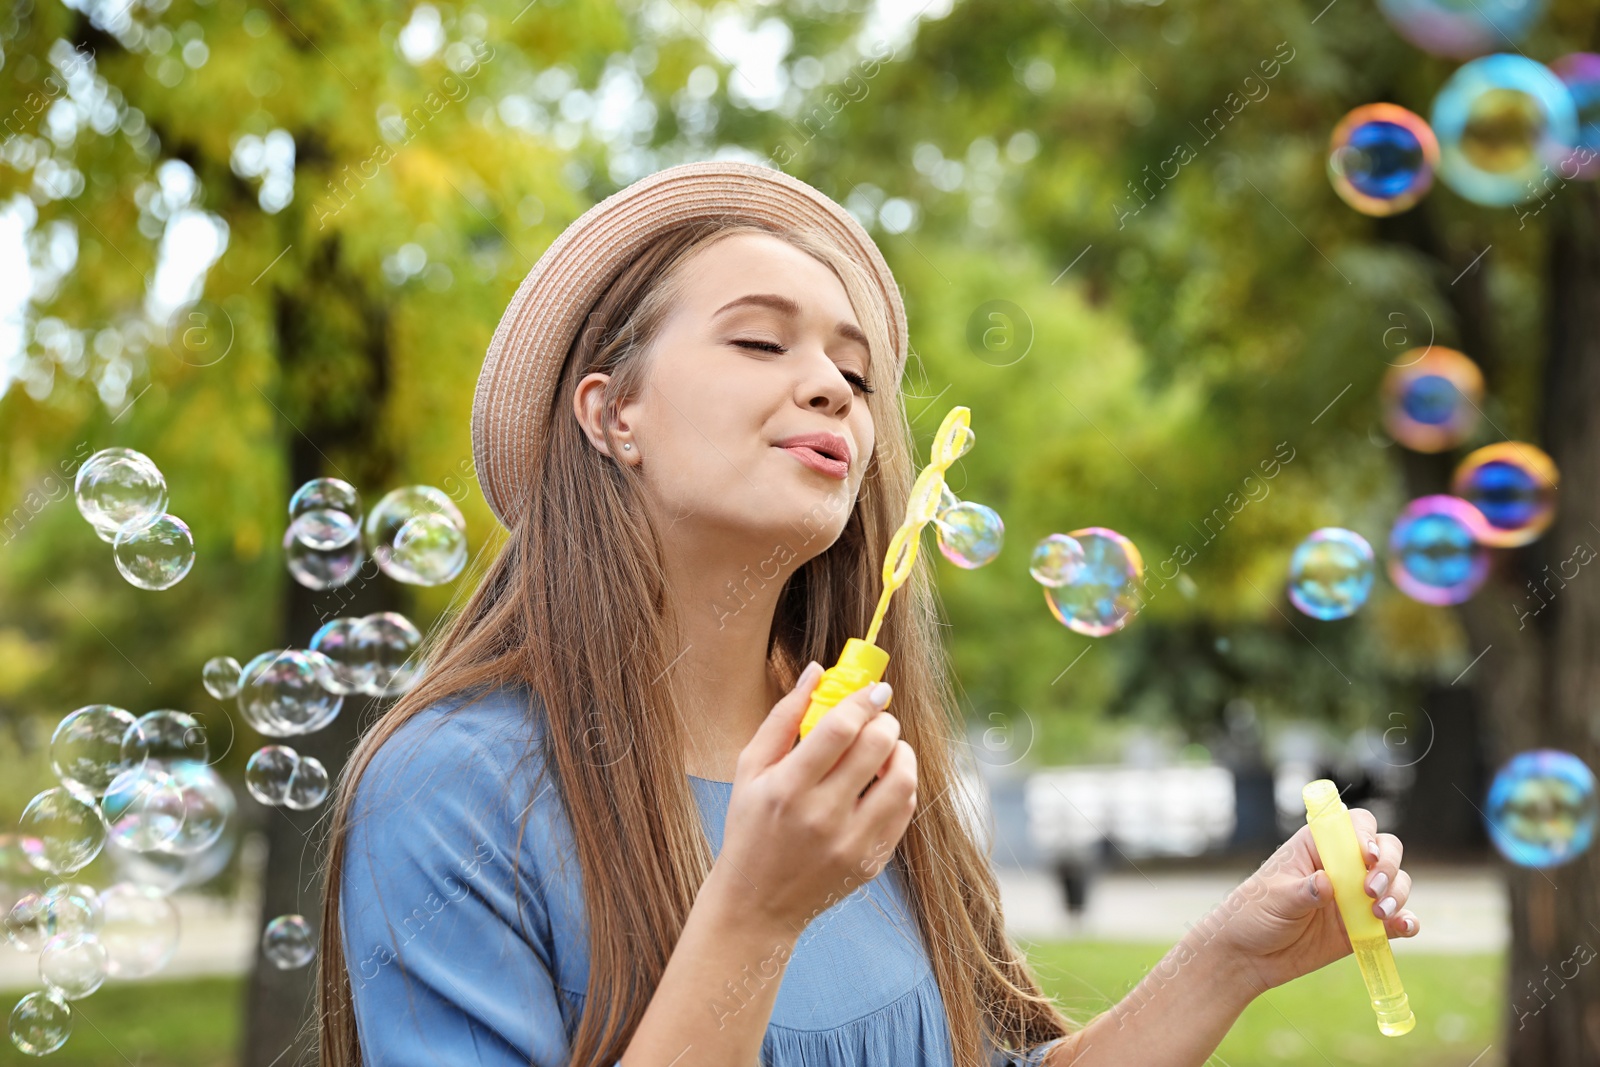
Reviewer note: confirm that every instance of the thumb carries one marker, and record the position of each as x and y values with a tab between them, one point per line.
1313	893
777	732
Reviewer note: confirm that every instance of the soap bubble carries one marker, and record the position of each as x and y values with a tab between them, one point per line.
62	910
1101	594
140	932
1381	159
143	808
1461	28
221	677
1542	810
66	828
1501	120
350	672
430	546
1580	73
40	1023
387	643
428	550
1055	560
308	785
281	694
287	942
173	736
1431	398
1514	485
316	569
73	965
156	555
325	513
1436	553
166	871
1330	574
207	805
268	773
94	744
970	535
118	488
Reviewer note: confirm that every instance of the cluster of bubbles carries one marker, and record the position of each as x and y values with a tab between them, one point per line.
1091	579
1381	159
1542	808
277	776
970	535
415	534
1431	399
123	495
287	942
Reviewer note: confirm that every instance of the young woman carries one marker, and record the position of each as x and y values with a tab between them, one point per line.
590	835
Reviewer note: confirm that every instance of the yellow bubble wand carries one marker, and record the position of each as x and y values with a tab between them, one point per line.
862	662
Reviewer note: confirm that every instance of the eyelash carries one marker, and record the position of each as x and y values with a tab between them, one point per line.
850	376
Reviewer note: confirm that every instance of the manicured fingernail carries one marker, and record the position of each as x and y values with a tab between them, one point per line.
878	695
1387	906
1411	925
1372	849
1380	881
812	670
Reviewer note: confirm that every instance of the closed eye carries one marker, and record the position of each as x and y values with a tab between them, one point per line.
850	376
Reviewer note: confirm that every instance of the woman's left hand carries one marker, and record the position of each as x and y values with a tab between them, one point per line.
1281	922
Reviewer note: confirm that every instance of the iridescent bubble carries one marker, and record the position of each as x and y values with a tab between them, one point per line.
25	922
143	808
1501	120
118	488
393	512
1330	574
67	827
428	550
281	694
72	908
288	942
316	569
140	932
1461	28
40	1023
1542	810
325	513
351	671
1580	73
1102	594
1431	398
1055	560
308	785
73	965
269	773
156	555
172	736
221	677
387	643
970	535
1514	485
166	871
1381	159
207	805
94	744
1436	554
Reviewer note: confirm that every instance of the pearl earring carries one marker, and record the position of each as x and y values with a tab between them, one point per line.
626	446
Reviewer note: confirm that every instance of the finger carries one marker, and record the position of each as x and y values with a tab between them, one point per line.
1380	879
1404	924
889	803
1388	905
775	736
869	751
833	734
1366	825
1306	895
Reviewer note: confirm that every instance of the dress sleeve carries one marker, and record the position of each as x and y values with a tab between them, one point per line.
447	938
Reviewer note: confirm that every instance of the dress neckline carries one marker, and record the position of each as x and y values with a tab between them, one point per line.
713	781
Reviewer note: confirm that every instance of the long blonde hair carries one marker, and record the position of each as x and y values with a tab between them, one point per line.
558	612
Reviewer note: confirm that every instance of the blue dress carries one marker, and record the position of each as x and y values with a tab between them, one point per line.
465	944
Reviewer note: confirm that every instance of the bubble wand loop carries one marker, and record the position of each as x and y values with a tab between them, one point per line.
862	662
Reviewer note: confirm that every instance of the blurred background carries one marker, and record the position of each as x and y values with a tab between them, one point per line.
1186	299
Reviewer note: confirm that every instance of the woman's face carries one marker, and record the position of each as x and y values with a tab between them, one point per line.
752	429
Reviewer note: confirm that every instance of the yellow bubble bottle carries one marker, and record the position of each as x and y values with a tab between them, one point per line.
1340	850
861	662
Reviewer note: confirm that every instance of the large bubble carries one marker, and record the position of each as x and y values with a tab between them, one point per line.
221	677
1431	398
73	965
1514	485
387	644
268	773
287	942
325	513
143	808
1461	28
1541	810
207	805
156	555
318	569
1331	573
118	488
66	908
1436	554
40	1023
350	671
65	829
140	932
173	736
1502	122
970	535
1055	560
417	535
1381	159
1580	73
281	694
1102	594
94	744
308	785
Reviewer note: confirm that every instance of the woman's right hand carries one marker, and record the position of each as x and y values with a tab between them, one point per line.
807	825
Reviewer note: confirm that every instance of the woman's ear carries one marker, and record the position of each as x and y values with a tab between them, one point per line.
588	405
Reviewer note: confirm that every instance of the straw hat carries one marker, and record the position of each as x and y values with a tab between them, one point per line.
511	406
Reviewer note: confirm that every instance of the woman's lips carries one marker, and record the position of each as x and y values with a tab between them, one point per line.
834	468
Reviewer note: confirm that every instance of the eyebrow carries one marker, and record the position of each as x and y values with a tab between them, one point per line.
782	304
